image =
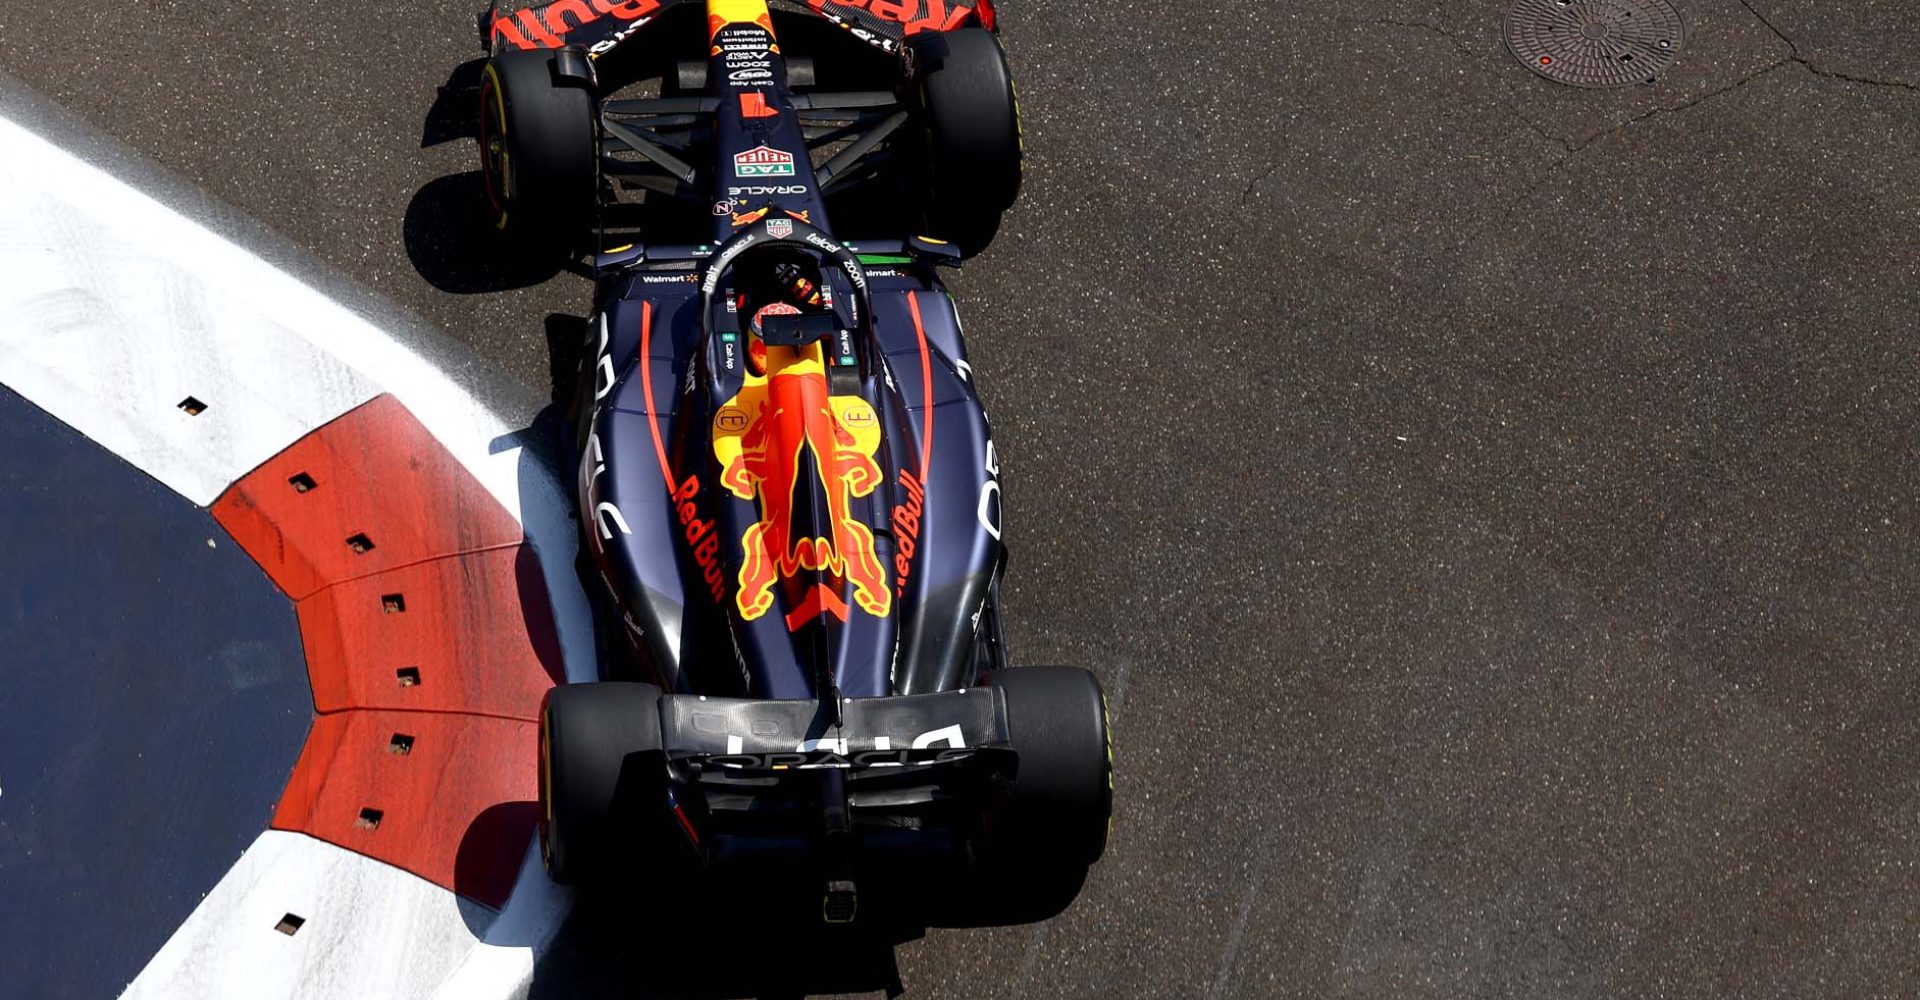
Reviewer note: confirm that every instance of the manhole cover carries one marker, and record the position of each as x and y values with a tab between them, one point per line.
1596	43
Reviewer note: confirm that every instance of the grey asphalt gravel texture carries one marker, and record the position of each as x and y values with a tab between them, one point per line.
1491	505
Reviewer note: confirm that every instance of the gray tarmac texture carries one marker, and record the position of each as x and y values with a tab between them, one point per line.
1491	505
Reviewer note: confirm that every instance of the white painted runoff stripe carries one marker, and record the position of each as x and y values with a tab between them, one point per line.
114	312
502	964
115	309
359	928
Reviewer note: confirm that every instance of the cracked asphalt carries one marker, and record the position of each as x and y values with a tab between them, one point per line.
1491	505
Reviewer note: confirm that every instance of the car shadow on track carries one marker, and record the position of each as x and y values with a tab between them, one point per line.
567	350
454	246
710	946
449	228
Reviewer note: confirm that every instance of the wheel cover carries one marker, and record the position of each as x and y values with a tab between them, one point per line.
496	163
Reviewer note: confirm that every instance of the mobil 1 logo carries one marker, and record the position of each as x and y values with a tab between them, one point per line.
746	55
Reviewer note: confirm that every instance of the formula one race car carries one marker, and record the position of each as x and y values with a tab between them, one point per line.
788	490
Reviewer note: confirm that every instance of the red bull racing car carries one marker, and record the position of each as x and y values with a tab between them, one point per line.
788	490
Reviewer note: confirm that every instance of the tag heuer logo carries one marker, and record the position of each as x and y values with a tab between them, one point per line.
779	229
763	161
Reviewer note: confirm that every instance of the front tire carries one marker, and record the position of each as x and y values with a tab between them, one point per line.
539	153
973	136
603	781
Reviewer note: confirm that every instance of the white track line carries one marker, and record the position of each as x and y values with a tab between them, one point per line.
502	964
114	308
369	930
118	307
115	312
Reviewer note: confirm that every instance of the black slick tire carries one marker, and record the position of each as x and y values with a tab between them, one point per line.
973	136
1039	844
603	781
539	154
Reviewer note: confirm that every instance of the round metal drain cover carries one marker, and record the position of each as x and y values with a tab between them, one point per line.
1596	43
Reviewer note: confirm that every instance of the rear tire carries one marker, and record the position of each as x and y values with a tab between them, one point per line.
1039	845
603	781
539	154
973	136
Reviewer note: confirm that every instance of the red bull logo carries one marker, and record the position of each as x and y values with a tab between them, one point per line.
701	537
758	437
906	527
547	27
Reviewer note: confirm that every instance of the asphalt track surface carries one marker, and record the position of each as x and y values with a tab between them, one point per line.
1491	505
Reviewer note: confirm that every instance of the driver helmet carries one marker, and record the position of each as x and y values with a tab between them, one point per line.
790	284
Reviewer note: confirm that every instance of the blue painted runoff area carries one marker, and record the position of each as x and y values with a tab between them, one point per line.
153	698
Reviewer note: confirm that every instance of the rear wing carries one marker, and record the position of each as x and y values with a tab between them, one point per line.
599	25
897	776
760	736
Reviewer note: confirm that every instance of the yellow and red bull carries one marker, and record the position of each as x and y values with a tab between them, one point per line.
759	437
